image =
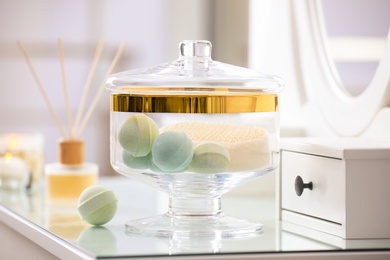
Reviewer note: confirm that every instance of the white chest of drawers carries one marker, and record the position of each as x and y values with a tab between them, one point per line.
343	186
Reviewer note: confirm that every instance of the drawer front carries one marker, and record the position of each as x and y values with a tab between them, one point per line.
327	198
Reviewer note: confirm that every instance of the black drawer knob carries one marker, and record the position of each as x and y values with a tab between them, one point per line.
300	185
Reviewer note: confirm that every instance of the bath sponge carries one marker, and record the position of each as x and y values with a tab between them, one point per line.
248	146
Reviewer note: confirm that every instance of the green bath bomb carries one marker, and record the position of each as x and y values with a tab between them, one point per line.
172	151
137	134
97	205
210	157
140	162
152	166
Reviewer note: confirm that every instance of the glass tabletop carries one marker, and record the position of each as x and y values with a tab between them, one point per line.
136	200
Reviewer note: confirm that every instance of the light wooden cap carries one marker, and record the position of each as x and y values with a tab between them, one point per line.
71	151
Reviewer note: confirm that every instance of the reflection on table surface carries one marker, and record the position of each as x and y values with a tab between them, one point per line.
136	200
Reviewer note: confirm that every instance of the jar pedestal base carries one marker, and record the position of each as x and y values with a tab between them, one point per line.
218	226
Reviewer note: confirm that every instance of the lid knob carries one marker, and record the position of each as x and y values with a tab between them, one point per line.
195	48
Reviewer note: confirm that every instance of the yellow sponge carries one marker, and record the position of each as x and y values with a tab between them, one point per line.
248	146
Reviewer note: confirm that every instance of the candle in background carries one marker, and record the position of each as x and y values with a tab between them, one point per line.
14	172
29	148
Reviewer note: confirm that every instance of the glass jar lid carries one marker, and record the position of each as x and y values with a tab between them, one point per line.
193	71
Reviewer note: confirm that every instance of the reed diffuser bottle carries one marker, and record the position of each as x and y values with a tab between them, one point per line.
66	179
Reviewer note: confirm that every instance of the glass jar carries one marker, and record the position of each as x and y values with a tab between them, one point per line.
194	128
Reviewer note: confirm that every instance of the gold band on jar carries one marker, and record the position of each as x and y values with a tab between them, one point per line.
204	104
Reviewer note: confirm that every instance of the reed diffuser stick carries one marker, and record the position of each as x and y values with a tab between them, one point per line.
65	86
80	110
101	88
43	92
74	130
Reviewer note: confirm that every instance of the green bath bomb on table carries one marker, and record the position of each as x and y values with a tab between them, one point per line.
97	205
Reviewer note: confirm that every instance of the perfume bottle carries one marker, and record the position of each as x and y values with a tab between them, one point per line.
66	180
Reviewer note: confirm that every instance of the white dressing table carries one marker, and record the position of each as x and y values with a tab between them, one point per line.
28	229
